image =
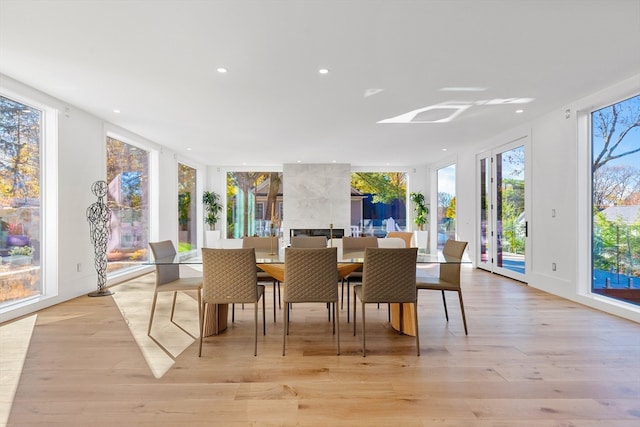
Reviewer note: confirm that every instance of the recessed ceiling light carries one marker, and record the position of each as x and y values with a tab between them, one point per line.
444	149
333	161
188	148
519	111
116	111
323	71
221	70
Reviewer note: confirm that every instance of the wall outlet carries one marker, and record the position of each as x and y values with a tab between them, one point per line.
79	267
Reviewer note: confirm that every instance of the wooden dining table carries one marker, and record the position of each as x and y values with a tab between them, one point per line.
276	270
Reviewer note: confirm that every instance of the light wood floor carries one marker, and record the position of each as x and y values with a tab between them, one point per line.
530	359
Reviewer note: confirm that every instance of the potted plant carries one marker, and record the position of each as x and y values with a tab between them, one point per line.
421	218
21	255
213	207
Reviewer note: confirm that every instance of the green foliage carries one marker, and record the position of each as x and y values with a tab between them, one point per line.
22	250
616	245
385	186
184	247
421	209
184	206
212	206
20	146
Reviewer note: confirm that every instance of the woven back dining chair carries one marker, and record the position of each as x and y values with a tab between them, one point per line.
448	278
308	242
404	235
353	247
168	278
388	276
230	277
265	247
310	275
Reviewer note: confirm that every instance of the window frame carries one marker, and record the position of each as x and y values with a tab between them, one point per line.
48	202
584	247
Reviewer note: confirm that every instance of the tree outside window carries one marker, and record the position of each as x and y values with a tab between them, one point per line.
20	200
615	143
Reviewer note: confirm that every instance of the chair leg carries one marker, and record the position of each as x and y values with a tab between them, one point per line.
415	319
173	305
464	318
364	331
336	324
274	301
255	329
233	313
354	313
264	317
153	309
285	327
354	299
279	298
202	310
444	301
199	308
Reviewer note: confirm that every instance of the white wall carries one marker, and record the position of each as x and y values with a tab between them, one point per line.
82	161
559	174
555	184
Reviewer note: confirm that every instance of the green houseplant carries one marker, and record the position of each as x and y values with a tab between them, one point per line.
21	255
421	209
212	206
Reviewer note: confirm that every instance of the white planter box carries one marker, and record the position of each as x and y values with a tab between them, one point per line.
212	238
422	240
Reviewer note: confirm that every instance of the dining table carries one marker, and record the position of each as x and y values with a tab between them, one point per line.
402	317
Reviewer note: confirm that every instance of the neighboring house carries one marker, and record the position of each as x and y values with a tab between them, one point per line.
626	214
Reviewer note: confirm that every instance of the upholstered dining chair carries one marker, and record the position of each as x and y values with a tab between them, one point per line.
308	242
310	275
404	235
265	247
448	278
353	247
388	276
168	278
229	276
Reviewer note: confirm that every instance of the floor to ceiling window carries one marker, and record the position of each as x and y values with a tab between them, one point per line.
503	222
254	204
187	228
378	203
21	133
615	166
446	213
128	199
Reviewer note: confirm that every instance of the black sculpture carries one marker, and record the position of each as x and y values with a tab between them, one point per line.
99	217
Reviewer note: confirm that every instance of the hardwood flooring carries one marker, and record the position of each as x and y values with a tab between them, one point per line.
530	359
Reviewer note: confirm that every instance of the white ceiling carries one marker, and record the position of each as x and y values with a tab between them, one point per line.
156	61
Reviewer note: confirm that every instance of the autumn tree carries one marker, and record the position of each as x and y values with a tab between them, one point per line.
615	185
385	186
615	125
20	145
